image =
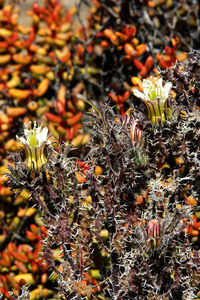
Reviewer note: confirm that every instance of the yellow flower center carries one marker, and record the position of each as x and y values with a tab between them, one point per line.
32	138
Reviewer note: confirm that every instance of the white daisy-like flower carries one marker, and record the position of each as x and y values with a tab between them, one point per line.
155	97
35	136
34	142
153	90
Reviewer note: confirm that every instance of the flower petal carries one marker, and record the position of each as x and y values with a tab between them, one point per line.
21	140
167	89
149	89
139	94
42	136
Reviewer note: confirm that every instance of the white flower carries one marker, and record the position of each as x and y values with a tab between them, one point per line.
153	90
35	136
156	99
34	143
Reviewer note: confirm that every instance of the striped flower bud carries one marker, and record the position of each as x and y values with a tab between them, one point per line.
136	132
153	232
34	143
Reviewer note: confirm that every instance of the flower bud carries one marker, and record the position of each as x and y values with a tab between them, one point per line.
136	132
153	232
